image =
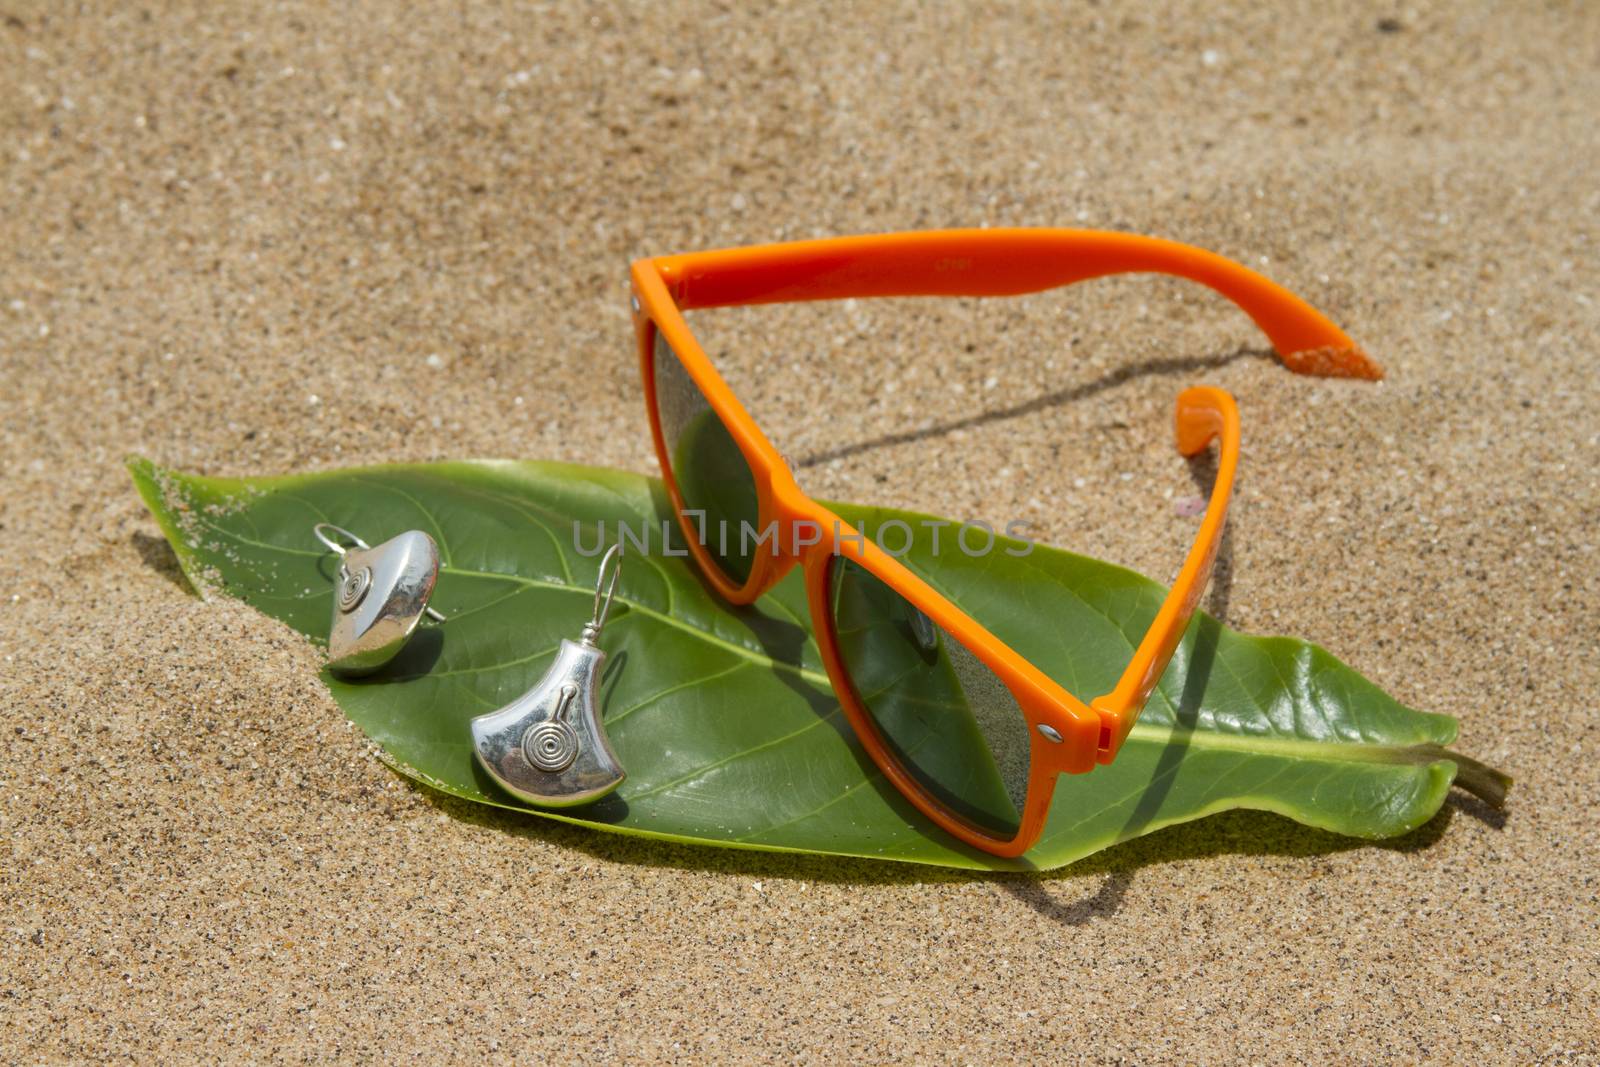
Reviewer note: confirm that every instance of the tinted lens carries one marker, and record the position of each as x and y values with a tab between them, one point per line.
710	469
947	718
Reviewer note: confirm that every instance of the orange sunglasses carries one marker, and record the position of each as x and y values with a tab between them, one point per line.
969	731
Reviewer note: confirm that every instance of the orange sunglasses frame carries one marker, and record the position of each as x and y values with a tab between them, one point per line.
1065	734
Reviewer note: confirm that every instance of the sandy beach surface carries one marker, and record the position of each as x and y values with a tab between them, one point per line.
265	238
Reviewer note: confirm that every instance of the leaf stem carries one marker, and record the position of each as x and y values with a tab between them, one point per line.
1481	780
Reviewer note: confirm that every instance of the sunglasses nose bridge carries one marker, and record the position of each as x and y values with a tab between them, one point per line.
805	528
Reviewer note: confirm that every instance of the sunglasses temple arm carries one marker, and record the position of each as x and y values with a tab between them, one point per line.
1203	414
1003	262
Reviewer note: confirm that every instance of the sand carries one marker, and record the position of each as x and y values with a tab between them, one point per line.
263	238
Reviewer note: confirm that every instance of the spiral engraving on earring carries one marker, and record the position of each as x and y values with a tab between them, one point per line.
551	746
353	588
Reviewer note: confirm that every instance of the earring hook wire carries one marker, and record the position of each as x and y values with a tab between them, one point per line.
333	545
604	592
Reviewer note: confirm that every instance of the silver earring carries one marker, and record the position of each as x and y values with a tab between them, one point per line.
379	597
548	746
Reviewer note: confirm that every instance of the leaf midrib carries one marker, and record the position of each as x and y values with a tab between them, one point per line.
1284	747
1281	747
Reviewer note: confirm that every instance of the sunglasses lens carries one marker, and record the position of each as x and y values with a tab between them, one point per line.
711	471
948	720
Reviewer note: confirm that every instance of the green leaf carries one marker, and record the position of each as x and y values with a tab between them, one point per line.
724	717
